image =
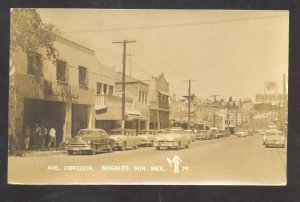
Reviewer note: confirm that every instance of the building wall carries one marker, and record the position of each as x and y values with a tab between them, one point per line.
25	86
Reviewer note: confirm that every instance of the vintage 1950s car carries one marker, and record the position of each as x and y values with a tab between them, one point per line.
201	135
190	134
125	138
147	137
274	138
174	138
90	141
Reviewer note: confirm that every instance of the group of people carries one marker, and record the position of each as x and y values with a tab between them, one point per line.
38	137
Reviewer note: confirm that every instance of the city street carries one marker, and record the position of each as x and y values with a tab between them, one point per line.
232	160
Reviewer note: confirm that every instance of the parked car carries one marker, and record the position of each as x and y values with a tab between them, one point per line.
174	138
125	138
241	134
190	134
201	135
274	138
224	133
90	141
147	137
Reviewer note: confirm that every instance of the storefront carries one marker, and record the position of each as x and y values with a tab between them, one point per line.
49	104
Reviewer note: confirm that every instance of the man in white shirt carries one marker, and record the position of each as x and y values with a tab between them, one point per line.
52	138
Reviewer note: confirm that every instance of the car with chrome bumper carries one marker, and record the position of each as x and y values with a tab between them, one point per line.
147	137
274	138
201	135
190	134
90	141
174	138
125	138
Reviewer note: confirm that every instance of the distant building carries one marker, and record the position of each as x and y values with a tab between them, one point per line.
159	100
270	95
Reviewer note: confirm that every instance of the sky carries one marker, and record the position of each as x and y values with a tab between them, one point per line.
223	52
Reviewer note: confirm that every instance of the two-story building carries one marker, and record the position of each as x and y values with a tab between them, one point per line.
59	94
159	108
109	115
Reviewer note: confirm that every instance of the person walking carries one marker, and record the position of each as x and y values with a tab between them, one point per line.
52	138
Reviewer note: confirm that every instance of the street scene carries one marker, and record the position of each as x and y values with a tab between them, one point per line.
148	97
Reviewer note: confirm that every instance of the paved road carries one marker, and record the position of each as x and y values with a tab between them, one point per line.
238	161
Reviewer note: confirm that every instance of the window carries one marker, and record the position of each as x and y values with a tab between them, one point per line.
35	64
146	98
61	70
99	88
83	76
110	90
105	89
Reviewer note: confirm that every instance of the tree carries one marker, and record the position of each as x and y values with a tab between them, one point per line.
28	33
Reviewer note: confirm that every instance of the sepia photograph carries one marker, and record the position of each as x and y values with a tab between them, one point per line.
148	97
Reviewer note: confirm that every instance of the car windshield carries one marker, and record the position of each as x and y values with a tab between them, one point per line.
274	134
91	133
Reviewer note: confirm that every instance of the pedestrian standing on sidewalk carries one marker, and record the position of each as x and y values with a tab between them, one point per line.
36	135
42	137
52	138
27	136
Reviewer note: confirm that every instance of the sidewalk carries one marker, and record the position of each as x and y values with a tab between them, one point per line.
40	153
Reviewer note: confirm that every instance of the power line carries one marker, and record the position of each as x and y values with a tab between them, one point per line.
177	25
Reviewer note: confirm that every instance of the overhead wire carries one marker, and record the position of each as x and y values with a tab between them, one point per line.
177	25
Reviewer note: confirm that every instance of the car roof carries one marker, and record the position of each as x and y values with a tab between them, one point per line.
92	129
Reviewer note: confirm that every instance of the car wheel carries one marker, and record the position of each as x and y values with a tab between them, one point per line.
187	145
109	149
70	152
93	151
157	148
151	144
123	147
135	147
178	145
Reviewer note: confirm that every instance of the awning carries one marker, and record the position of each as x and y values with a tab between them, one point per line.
133	113
99	107
163	92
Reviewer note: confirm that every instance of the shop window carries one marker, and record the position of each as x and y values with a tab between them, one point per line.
35	64
83	76
61	71
105	89
99	88
110	90
146	98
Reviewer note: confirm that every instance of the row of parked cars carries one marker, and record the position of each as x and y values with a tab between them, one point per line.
213	133
91	141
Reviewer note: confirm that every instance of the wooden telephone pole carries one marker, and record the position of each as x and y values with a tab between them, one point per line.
124	42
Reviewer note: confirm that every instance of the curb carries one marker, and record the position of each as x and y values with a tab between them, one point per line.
40	153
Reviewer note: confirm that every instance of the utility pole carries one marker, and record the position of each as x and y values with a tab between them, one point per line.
124	42
189	97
